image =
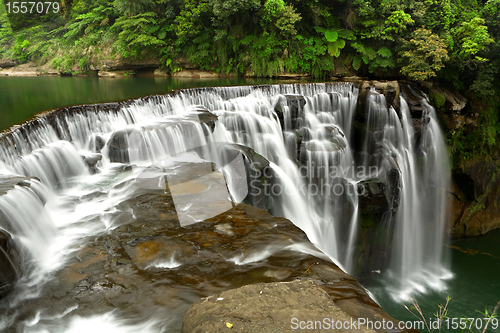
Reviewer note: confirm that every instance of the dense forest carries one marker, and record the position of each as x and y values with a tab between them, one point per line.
455	42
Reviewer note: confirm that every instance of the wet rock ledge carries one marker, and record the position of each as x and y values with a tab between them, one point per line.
151	266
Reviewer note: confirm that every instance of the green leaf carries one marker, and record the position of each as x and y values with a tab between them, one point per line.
248	39
358	47
169	61
370	52
340	43
384	52
320	29
356	62
331	35
347	34
333	50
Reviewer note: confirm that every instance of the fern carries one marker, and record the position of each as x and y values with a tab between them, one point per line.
86	22
384	52
356	62
138	35
347	34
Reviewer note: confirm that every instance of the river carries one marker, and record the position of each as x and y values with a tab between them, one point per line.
23	97
475	262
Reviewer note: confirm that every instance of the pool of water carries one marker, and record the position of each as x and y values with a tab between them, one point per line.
474	287
23	97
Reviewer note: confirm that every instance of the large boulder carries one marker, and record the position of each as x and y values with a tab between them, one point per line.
119	144
295	104
8	264
379	200
5	63
269	307
390	89
148	263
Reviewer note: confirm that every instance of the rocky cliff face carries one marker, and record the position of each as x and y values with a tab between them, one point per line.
475	197
475	193
474	207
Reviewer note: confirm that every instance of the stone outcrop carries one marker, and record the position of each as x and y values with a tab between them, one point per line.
193	73
390	89
475	197
268	307
28	69
6	63
295	104
116	73
379	201
149	262
125	65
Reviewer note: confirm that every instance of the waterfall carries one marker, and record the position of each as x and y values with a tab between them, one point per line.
417	256
322	165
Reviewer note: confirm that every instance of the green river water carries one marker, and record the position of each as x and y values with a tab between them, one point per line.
23	97
475	262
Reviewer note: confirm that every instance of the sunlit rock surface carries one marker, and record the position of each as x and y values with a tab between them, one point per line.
266	308
150	264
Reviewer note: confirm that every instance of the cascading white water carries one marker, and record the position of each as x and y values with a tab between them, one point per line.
417	255
312	154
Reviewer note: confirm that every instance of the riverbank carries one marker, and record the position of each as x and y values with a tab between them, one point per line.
119	69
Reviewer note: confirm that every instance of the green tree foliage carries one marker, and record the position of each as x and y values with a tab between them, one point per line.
138	35
424	55
89	22
397	22
438	14
456	41
132	7
5	29
282	17
19	21
225	9
473	37
193	18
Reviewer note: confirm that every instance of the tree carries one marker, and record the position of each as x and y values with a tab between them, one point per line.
132	7
282	16
138	35
438	15
194	17
423	55
223	9
474	38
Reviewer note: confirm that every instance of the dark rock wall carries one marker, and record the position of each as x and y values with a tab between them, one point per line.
474	199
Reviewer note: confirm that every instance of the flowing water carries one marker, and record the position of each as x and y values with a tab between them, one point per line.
306	131
475	288
23	97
